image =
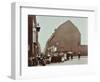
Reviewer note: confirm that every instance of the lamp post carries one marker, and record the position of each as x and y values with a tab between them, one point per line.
37	42
36	29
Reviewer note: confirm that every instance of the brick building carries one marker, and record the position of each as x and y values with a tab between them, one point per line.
66	38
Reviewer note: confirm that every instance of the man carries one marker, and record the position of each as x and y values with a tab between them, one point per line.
79	54
69	54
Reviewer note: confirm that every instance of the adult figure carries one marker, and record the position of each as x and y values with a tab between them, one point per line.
79	54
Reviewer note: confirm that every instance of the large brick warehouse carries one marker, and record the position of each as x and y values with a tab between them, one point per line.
66	37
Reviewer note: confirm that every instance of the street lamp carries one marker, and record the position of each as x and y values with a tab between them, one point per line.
37	27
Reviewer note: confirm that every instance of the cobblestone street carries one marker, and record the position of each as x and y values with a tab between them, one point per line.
75	61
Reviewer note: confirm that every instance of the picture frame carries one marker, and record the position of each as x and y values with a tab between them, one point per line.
19	65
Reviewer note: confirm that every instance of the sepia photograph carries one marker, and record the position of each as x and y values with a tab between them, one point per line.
57	40
53	41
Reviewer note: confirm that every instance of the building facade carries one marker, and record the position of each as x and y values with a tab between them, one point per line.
66	38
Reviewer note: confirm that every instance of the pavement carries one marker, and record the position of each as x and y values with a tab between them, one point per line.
74	61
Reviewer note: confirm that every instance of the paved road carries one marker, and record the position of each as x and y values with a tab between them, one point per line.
82	60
